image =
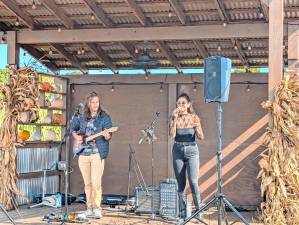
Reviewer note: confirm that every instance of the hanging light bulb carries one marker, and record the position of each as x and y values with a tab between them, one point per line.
112	88
136	50
73	90
82	51
224	24
195	87
2	40
17	23
59	29
50	51
249	47
146	76
33	5
161	87
169	13
235	47
219	48
197	60
157	50
92	17
248	88
261	15
79	52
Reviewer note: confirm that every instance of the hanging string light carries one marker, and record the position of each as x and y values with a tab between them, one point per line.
33	5
224	24
112	88
50	51
195	87
17	23
92	17
219	48
248	87
59	29
161	87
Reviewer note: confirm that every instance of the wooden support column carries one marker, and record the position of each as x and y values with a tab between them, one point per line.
293	46
276	30
172	94
12	49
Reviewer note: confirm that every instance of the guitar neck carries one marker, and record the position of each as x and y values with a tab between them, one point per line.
91	137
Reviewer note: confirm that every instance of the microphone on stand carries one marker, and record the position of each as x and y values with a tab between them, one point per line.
78	109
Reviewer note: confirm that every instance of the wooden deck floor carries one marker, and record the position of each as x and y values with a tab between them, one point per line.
111	216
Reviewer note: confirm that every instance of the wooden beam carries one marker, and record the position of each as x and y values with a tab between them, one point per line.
39	56
178	10
276	31
57	11
144	34
221	9
265	10
238	50
129	47
102	56
201	48
71	58
170	56
98	13
12	48
12	6
138	12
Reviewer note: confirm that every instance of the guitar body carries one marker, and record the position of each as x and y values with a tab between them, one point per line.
88	139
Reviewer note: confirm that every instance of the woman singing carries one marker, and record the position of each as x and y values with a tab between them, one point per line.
91	160
184	126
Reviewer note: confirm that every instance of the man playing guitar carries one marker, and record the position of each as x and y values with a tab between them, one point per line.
96	124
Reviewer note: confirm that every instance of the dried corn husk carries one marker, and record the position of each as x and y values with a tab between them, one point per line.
19	95
280	167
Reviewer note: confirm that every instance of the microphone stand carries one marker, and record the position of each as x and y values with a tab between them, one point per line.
66	134
149	135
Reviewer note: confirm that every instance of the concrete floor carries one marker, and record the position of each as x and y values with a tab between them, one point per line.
113	216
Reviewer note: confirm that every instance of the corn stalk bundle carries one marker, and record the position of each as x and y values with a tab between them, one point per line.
280	167
19	94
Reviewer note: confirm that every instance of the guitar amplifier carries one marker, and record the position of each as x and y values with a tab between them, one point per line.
169	204
144	200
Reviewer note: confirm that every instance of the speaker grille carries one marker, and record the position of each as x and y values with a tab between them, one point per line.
143	200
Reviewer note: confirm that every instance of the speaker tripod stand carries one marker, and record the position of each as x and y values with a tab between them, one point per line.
220	200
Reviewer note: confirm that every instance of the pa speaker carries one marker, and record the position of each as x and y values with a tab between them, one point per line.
217	79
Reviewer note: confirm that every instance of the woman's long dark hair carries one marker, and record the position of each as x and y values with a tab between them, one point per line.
87	113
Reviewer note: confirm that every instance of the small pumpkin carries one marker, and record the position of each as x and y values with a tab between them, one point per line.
24	135
50	135
45	86
57	103
57	118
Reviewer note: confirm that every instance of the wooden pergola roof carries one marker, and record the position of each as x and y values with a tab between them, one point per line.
98	34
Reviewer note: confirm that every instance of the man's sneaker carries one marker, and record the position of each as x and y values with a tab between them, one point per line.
86	214
97	213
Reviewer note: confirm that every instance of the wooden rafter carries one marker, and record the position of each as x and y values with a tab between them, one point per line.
71	58
138	12
129	47
98	13
12	6
238	49
201	48
170	56
221	9
102	56
265	10
178	10
57	11
40	56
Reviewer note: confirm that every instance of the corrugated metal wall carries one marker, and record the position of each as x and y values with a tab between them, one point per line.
34	186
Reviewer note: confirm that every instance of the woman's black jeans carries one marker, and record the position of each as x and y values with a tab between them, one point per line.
186	162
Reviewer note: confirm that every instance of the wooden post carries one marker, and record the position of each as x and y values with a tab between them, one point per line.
12	49
172	94
275	45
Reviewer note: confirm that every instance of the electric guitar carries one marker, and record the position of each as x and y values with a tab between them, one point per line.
87	139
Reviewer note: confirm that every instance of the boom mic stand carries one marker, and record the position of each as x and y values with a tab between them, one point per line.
220	200
149	136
